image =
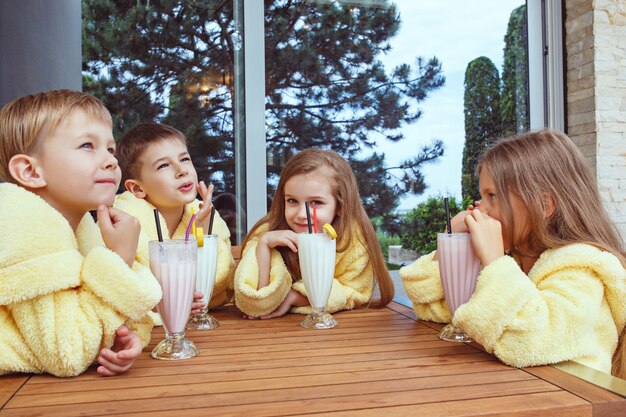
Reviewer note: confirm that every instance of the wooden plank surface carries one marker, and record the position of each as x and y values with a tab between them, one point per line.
376	362
9	385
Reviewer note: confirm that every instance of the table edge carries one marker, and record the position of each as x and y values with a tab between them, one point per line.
600	379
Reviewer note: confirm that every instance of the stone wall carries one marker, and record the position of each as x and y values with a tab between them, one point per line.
400	256
595	42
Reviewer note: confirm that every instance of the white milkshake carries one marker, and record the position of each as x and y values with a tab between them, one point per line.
316	254
173	263
205	281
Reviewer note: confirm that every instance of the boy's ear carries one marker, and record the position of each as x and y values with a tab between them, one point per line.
134	187
26	171
549	205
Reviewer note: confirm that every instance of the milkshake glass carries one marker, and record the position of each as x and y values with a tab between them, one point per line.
459	268
173	263
316	254
205	281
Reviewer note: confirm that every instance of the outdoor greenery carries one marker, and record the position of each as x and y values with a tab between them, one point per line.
173	61
424	222
494	108
514	101
385	240
482	118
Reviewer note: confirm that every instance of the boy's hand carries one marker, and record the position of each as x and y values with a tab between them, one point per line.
118	359
120	232
202	219
198	303
275	238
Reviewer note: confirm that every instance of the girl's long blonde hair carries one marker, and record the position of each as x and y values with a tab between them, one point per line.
536	167
352	214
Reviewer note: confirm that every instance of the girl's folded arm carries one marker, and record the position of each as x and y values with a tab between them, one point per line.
527	325
260	302
422	283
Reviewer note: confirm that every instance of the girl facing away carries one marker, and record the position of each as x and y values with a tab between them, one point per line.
268	281
553	284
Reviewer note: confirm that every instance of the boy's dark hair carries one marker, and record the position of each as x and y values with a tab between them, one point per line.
136	141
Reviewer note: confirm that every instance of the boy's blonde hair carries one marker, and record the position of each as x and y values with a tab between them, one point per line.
26	120
547	164
135	142
353	215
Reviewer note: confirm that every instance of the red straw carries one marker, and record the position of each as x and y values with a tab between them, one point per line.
314	218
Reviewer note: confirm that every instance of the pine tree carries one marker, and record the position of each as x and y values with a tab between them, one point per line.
173	61
514	111
482	118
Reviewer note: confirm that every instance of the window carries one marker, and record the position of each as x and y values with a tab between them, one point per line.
396	91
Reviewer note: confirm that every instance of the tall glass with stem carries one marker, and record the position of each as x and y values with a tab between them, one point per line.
205	282
173	263
316	254
459	269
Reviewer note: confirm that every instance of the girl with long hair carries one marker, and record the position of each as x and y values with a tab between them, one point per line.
268	281
553	284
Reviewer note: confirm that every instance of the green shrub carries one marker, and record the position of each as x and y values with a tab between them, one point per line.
422	224
385	241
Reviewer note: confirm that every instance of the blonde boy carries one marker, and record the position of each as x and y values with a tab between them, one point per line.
66	285
158	173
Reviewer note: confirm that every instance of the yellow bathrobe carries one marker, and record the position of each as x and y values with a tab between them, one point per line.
62	294
352	286
144	211
571	306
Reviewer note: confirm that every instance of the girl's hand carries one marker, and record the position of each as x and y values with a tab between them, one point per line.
126	348
198	303
275	238
486	236
458	221
293	298
120	232
268	241
204	214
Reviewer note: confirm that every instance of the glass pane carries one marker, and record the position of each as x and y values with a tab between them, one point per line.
396	88
172	62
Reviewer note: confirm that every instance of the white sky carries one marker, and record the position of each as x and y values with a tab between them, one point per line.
456	32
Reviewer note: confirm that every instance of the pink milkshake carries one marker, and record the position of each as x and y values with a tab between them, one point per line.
173	263
459	268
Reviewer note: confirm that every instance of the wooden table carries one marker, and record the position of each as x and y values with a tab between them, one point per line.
375	363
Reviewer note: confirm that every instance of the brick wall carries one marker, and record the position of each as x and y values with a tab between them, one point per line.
595	43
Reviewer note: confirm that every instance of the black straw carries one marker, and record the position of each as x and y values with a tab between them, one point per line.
308	216
448	223
211	220
158	225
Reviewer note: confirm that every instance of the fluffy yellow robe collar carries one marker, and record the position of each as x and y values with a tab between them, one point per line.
33	233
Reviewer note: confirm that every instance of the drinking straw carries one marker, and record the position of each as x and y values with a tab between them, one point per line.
188	231
308	216
211	220
314	218
158	225
448	224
